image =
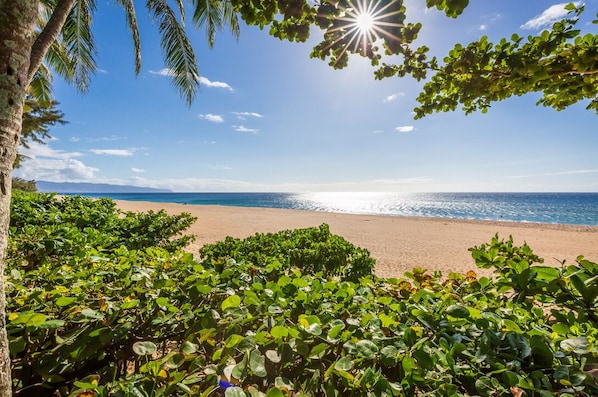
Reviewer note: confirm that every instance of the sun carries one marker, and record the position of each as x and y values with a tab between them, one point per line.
365	22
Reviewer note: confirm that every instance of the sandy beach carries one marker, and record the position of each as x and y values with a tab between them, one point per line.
398	243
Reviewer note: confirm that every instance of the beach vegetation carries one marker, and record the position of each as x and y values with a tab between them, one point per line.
38	37
94	312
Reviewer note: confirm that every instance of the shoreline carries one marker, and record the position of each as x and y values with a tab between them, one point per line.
398	243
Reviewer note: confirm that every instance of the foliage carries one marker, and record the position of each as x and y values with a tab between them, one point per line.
46	229
148	322
311	250
38	117
22	184
559	63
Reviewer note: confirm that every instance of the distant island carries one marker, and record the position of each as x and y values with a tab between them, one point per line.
74	187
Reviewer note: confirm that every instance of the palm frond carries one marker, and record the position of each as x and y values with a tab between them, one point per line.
40	87
129	7
59	60
78	40
215	15
178	52
181	11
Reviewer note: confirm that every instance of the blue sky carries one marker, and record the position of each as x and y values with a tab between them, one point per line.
269	118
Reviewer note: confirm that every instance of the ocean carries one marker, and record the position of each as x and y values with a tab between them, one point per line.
556	208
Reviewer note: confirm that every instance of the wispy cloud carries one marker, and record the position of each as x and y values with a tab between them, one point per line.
220	167
245	115
393	97
568	172
573	172
214	84
138	170
214	118
113	152
36	150
377	132
240	128
204	81
549	16
483	27
405	128
162	72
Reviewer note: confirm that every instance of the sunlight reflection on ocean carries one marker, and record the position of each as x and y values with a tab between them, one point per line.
566	208
562	208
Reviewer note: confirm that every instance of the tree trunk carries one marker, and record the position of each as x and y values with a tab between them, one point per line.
17	23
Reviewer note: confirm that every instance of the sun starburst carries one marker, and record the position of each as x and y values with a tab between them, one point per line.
366	22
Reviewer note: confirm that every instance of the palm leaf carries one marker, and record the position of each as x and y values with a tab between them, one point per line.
40	87
178	52
134	29
215	15
78	40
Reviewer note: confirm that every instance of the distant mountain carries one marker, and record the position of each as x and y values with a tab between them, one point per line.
72	187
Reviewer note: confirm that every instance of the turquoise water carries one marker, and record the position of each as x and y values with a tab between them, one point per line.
559	208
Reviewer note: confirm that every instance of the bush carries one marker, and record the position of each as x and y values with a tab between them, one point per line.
312	250
152	322
24	185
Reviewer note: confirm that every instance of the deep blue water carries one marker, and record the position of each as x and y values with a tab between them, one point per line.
561	208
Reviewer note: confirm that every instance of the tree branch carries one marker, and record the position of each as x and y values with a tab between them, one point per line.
48	35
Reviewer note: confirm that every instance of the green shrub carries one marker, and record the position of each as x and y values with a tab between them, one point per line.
44	228
311	250
151	322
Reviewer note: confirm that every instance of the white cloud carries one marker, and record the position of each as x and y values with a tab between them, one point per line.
202	80
47	164
37	150
139	170
214	118
55	170
214	84
113	152
548	16
378	132
405	128
244	115
393	97
240	128
483	27
75	139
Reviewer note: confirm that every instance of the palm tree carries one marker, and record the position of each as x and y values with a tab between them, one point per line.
41	36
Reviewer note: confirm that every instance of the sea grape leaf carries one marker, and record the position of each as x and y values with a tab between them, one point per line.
144	348
233	340
231	301
578	345
457	311
257	363
366	349
64	301
344	364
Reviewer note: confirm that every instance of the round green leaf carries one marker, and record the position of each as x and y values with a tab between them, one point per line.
344	364
576	345
233	340
366	349
144	348
64	301
279	332
273	356
231	301
458	311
